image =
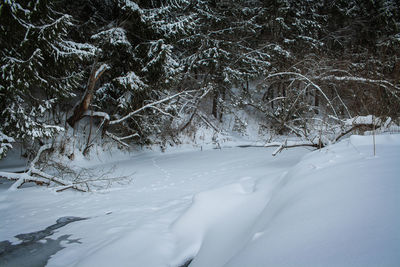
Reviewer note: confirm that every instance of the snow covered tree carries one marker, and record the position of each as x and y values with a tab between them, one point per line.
138	68
222	50
341	62
364	40
128	65
38	68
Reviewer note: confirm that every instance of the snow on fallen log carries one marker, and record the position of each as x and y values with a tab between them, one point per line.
369	119
22	178
289	144
34	175
332	130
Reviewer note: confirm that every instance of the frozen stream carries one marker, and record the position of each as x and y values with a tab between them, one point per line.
135	223
35	248
219	208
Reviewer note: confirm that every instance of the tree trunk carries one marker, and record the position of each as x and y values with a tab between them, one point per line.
83	106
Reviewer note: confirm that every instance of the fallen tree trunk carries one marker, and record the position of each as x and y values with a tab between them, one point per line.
291	144
368	126
34	175
358	123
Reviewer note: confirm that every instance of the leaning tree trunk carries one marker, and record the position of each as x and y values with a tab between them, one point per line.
83	106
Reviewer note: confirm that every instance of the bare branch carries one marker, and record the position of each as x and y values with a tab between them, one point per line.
309	81
116	138
356	79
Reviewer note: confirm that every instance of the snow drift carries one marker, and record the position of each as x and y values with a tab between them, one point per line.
336	207
228	207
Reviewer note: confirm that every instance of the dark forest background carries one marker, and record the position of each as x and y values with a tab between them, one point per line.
142	72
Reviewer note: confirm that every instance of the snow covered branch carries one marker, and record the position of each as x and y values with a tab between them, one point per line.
384	83
319	136
120	139
34	175
100	114
28	176
152	104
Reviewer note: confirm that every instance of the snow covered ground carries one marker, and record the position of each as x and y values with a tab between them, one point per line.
229	207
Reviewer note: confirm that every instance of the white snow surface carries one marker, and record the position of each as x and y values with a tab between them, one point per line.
228	207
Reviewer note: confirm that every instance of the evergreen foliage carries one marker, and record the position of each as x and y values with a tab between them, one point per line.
40	67
302	59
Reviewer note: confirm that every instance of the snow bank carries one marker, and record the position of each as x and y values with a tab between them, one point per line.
337	207
227	207
207	225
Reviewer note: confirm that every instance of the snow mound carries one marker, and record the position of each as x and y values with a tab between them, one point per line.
358	140
338	207
207	225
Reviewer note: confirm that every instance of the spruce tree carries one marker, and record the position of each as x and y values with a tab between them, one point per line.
39	68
